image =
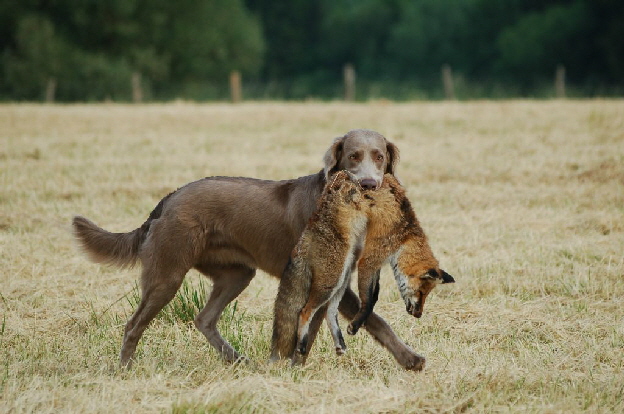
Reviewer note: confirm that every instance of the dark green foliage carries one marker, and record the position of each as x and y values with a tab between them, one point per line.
297	48
539	41
92	48
291	29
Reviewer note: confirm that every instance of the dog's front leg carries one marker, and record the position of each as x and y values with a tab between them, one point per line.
381	331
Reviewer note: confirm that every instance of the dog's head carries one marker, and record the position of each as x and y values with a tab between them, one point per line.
366	154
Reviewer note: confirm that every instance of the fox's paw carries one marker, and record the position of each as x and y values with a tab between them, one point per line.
352	329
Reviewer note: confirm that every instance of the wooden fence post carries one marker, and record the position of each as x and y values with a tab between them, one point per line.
236	90
50	90
560	91
447	81
349	82
137	90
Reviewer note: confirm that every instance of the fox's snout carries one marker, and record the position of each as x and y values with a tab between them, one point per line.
414	307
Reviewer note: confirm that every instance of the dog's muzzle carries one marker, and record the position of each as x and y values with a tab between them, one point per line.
368	183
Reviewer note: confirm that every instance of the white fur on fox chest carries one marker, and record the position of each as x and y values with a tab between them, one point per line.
400	277
357	238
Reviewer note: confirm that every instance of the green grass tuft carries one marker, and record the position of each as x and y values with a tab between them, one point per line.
187	303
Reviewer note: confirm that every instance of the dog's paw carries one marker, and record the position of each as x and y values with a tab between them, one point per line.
340	351
241	360
414	362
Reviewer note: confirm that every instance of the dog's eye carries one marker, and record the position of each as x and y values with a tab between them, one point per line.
353	157
380	157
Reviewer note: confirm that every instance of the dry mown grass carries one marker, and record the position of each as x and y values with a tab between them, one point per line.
523	203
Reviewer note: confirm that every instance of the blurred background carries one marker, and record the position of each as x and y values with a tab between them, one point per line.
150	50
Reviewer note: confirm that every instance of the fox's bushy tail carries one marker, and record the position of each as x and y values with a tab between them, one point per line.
292	296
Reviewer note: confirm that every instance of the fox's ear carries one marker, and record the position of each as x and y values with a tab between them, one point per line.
446	278
431	274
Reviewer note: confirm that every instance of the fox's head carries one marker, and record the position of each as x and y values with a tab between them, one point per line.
416	280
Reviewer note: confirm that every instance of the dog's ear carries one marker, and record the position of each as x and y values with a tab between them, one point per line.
446	278
393	157
332	157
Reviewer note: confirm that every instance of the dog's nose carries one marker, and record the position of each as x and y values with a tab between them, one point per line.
368	183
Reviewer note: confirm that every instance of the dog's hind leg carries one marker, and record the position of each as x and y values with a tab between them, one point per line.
159	286
229	282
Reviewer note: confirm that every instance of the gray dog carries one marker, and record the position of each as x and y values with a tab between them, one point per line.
226	228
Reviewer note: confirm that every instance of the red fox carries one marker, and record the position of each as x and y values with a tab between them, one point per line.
351	227
326	255
394	234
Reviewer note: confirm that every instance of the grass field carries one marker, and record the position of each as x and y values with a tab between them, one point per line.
523	203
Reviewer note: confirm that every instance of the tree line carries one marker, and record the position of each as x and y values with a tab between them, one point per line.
295	49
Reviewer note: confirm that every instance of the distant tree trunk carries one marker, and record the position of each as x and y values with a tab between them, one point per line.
447	81
236	89
349	82
50	91
137	90
560	91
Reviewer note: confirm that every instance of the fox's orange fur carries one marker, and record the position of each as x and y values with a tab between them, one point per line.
394	234
351	227
326	256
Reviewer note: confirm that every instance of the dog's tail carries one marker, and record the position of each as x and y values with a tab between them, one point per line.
119	249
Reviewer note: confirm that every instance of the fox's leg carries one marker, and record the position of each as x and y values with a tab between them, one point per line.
368	288
315	325
332	318
316	300
334	328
